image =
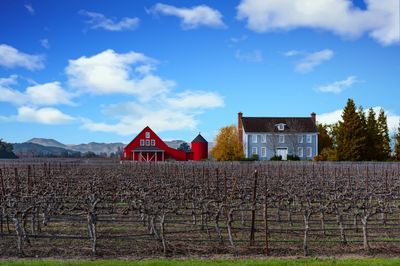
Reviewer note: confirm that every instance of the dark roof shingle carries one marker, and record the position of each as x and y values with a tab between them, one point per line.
199	138
268	124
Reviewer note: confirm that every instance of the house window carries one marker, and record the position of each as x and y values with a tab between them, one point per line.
281	127
264	138
300	151
309	138
142	142
254	150
147	135
147	142
153	142
309	152
301	139
254	138
281	138
263	152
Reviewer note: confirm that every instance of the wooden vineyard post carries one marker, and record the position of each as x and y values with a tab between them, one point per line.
253	209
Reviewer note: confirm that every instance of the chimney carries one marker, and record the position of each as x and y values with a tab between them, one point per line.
314	117
240	127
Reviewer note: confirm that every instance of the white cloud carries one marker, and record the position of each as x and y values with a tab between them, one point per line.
193	17
47	115
99	21
48	94
159	120
30	9
109	72
292	53
11	58
240	39
311	60
11	96
195	100
40	94
338	86
380	20
153	101
335	116
45	43
253	56
11	80
330	118
167	113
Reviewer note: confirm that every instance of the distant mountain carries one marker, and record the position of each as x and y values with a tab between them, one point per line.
98	148
51	146
28	149
174	143
47	142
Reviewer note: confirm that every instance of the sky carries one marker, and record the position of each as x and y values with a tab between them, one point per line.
82	71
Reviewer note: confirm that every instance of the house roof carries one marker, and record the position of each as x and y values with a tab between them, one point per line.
199	138
268	124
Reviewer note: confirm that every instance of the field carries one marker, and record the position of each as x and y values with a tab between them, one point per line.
207	262
104	209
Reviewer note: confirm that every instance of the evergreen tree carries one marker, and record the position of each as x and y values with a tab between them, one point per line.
383	136
372	136
351	135
363	145
397	144
184	147
6	150
324	139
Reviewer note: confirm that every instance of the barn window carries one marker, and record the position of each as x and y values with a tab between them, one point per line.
142	142
147	142
147	135
281	138
153	142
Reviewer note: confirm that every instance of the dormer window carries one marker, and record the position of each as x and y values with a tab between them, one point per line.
281	126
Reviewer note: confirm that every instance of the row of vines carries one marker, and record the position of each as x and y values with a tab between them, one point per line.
88	208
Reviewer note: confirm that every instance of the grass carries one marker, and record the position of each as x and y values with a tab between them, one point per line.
207	262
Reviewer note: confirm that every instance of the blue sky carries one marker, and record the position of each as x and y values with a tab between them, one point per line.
81	71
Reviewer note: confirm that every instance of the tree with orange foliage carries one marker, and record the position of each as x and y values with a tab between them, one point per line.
227	146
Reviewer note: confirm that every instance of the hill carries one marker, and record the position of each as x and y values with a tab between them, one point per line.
46	147
29	149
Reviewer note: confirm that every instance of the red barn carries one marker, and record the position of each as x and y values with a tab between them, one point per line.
148	147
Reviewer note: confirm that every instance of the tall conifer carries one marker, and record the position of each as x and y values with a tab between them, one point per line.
363	145
383	135
372	136
351	137
397	144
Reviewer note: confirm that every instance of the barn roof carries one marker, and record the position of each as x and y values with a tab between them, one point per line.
268	124
199	138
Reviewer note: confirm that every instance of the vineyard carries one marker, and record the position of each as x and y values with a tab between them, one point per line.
104	208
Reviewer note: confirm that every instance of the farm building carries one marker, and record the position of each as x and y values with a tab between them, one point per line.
266	137
148	147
